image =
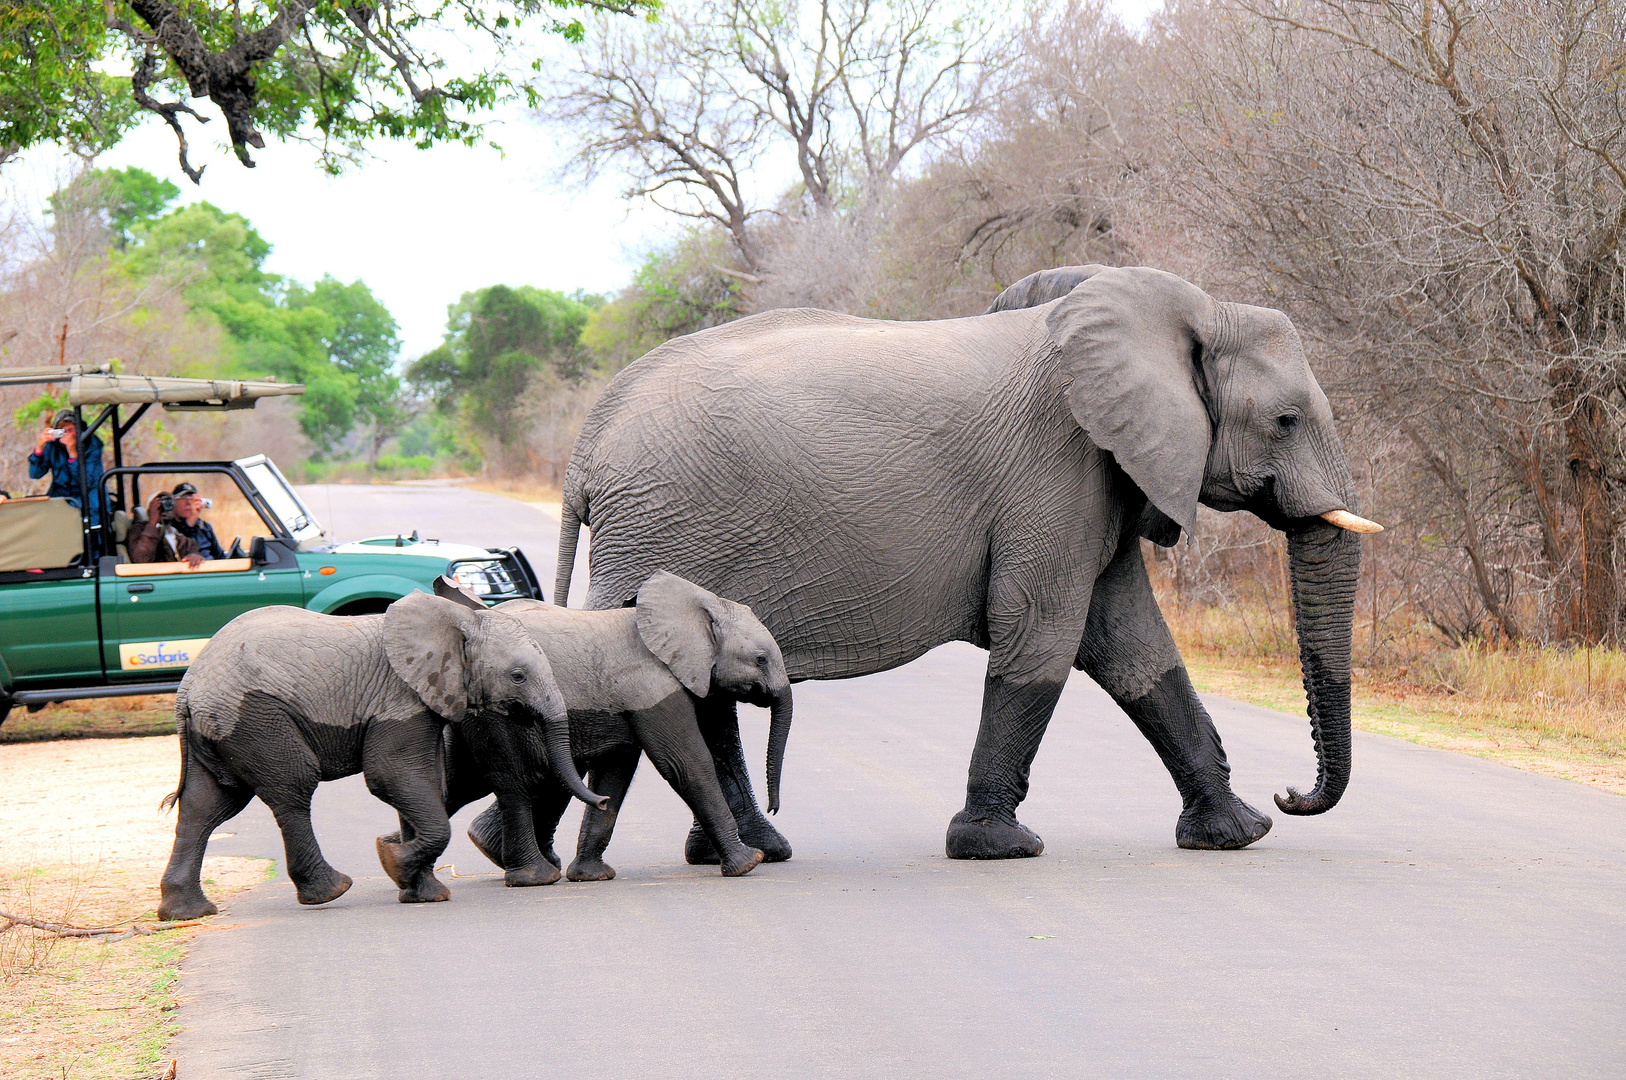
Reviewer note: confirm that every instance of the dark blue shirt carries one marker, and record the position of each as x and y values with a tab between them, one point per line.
65	474
203	535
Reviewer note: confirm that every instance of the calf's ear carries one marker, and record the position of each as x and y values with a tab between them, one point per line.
424	639
675	621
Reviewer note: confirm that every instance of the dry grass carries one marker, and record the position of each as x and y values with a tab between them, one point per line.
85	844
1551	710
96	718
524	489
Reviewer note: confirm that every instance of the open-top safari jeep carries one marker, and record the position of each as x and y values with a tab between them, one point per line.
79	619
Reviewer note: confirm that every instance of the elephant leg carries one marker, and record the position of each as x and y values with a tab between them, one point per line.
401	764
612	776
546	810
485	832
719	723
524	864
289	798
205	805
1014	718
682	755
1128	650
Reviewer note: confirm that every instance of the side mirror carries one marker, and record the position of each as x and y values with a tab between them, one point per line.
263	553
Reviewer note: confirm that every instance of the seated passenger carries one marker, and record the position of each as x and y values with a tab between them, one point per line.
190	524
158	540
56	451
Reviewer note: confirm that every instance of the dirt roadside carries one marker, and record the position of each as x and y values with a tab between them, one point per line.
82	842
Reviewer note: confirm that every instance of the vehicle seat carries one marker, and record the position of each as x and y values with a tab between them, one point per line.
39	534
121	532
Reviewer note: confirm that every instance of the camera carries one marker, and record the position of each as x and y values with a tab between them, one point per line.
56	432
166	507
205	503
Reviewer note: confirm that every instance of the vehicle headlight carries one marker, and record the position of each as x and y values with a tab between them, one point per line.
484	578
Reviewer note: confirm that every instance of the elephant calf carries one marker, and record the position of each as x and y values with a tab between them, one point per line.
284	698
632	679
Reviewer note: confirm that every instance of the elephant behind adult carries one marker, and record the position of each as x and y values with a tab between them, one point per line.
874	489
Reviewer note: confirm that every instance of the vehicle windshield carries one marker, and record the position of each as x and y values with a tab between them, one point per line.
270	483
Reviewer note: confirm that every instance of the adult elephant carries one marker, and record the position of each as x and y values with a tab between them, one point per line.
874	489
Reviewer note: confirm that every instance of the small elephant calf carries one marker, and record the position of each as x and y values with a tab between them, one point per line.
631	679
283	698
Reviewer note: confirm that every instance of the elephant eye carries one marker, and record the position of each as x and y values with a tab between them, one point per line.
517	676
762	661
1286	422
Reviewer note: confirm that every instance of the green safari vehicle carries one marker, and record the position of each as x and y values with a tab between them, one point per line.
79	619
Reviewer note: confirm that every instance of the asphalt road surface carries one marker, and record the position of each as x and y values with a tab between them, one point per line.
1451	918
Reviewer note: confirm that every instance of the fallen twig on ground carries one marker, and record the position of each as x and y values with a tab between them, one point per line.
112	933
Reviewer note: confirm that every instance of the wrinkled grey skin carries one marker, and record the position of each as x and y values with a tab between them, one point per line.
633	680
284	698
874	489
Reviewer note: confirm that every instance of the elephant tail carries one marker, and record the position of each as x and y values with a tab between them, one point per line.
570	529
182	716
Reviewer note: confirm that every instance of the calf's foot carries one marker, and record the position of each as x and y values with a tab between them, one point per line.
584	869
990	836
1220	823
322	888
756	831
176	905
742	861
427	889
542	873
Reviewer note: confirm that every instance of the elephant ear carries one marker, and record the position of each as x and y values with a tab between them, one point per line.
424	638
1043	287
676	620
448	589
1131	344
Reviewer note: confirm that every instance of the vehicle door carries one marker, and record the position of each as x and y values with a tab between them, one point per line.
157	617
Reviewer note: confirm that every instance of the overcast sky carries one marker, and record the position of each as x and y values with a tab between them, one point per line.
419	227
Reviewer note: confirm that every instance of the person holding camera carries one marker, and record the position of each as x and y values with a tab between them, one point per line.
57	451
189	507
159	539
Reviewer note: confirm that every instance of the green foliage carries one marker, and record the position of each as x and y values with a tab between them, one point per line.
498	341
336	338
32	415
50	87
677	291
330	72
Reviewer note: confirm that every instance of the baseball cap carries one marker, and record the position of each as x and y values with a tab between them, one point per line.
184	488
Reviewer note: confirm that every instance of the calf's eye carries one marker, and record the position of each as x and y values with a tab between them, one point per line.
517	676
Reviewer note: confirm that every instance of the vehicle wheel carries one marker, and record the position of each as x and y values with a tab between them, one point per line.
373	606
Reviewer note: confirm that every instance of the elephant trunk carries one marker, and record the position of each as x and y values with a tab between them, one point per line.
778	735
556	737
1325	561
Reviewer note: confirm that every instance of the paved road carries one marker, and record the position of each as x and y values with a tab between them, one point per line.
1452	918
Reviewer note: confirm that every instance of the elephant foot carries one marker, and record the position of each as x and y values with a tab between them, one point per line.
993	837
757	832
1225	823
485	833
742	862
542	873
322	890
182	904
590	870
428	889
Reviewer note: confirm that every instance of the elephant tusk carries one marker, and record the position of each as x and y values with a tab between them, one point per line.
1353	522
